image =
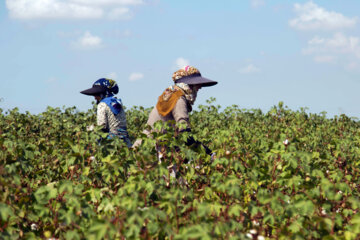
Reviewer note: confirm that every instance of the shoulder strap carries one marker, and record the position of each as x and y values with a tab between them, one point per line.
114	104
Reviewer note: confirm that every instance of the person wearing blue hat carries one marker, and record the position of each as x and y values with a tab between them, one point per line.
110	112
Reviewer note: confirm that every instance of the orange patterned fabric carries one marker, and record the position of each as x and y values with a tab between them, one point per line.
168	100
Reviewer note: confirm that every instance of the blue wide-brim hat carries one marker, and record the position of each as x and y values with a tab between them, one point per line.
102	86
94	91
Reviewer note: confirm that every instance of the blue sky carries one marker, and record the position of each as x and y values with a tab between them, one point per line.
304	53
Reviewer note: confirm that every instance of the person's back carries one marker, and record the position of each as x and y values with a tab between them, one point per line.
180	113
111	122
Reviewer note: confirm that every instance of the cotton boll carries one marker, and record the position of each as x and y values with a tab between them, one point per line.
34	226
249	235
90	128
253	231
323	211
255	223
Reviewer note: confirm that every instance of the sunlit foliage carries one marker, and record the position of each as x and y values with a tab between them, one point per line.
279	175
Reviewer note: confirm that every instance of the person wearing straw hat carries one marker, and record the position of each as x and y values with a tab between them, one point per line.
176	102
110	112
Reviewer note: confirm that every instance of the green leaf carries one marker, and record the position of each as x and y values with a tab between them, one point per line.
295	227
269	218
5	212
235	210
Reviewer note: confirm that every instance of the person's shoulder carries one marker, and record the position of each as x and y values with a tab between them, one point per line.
102	107
182	100
102	104
181	104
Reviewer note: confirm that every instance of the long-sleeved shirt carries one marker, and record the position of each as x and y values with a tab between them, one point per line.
110	122
180	113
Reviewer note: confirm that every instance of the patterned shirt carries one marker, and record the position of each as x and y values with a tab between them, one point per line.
108	120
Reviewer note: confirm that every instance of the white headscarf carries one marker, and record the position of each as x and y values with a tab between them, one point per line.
190	95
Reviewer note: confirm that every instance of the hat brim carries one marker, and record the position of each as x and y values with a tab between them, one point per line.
95	90
197	80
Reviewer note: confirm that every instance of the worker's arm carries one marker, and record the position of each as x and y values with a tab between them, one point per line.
101	116
181	115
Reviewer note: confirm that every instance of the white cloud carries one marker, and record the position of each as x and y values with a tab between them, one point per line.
50	9
316	40
312	17
136	76
108	2
352	66
120	13
181	62
257	3
89	41
337	44
339	49
251	68
324	59
112	75
69	9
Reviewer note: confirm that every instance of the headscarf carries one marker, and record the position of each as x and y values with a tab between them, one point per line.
110	86
189	94
171	95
